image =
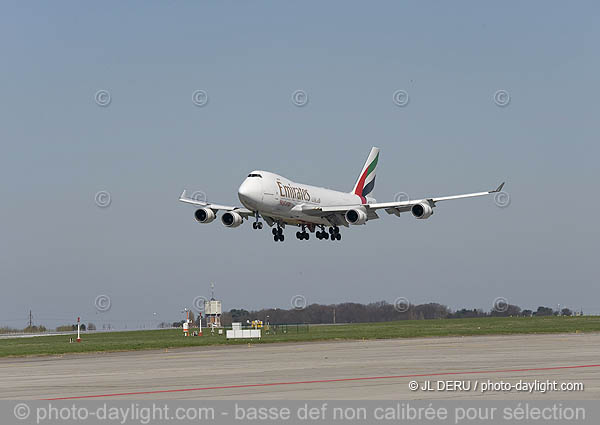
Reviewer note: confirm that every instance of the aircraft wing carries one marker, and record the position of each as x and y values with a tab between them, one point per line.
335	214
390	207
244	212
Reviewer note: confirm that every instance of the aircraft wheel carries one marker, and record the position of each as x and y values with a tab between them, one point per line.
306	236
298	235
326	235
338	236
276	238
281	238
274	231
254	226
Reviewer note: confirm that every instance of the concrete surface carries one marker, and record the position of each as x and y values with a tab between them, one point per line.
250	371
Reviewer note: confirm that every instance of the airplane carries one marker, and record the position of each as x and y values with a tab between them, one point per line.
280	202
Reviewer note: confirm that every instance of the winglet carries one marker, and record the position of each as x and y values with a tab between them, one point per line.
499	188
182	195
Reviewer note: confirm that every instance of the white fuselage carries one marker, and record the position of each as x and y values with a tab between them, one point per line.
275	196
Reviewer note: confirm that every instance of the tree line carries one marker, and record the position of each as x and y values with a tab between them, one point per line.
381	311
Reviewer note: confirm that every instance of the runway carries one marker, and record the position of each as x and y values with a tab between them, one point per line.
376	369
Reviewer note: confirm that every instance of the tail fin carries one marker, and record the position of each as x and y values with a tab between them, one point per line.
366	180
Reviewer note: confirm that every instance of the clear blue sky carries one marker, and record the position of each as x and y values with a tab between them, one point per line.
60	251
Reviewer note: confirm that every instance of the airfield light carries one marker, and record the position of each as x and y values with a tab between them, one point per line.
78	329
199	324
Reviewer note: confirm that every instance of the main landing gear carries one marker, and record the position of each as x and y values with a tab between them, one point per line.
278	235
303	235
334	233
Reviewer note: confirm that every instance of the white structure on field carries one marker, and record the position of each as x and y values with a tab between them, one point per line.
212	313
238	332
213	310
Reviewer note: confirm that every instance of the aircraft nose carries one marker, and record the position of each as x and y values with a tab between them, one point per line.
244	190
247	192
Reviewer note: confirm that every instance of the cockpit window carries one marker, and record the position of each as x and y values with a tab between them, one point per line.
254	175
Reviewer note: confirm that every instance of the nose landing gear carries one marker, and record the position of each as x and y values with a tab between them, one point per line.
257	224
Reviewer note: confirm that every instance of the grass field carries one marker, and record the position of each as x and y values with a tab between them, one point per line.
171	338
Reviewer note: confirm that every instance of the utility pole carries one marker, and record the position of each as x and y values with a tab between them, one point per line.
30	320
334	315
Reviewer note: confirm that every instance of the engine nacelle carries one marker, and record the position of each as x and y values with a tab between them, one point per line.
422	210
356	216
231	219
204	215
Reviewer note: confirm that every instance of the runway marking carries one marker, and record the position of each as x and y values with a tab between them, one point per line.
323	381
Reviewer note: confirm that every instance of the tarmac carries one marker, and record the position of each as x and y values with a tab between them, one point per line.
333	370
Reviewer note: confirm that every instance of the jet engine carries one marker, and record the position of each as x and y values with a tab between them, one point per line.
204	215
356	216
422	210
231	219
